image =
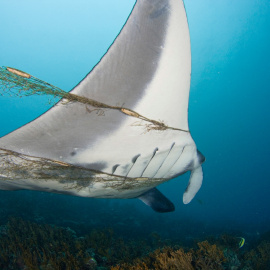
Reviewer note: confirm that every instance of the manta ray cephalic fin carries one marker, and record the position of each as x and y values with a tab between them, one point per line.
195	183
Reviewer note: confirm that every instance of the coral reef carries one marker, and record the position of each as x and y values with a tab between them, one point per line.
26	245
165	259
30	245
259	257
207	257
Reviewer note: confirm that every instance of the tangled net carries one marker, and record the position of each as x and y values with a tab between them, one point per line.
14	82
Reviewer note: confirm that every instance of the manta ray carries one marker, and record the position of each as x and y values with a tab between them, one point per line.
123	129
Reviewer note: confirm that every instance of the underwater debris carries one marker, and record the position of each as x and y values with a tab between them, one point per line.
19	72
99	112
129	112
17	166
14	82
154	125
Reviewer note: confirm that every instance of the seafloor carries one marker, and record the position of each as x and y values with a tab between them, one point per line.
48	231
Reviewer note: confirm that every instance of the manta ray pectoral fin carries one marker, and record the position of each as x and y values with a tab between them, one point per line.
195	182
157	201
126	121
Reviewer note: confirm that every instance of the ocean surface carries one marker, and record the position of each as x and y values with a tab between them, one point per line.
229	114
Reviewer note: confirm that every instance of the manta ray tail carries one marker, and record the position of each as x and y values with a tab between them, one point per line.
157	201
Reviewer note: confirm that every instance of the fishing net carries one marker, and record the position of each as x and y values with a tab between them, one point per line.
14	82
17	166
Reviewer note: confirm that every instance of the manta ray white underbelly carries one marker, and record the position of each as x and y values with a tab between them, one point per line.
126	130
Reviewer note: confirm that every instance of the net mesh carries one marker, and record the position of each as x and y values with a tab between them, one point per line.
14	82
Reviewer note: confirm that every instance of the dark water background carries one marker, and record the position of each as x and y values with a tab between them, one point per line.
60	41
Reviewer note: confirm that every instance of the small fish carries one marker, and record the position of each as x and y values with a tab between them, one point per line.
242	242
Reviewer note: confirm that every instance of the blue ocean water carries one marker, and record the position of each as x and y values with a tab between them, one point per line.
61	41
